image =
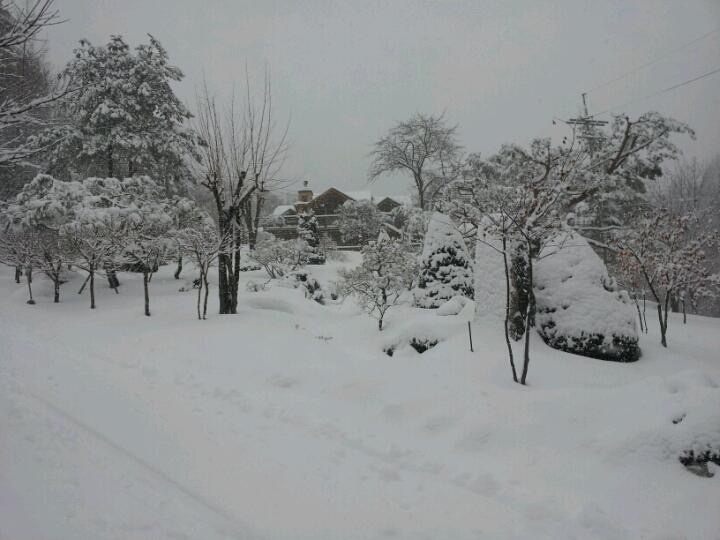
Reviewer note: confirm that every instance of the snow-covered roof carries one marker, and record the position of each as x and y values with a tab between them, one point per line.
359	195
401	199
281	209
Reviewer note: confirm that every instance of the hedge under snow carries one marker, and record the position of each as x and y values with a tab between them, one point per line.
579	307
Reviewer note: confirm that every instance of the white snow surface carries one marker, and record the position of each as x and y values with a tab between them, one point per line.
288	421
490	284
572	279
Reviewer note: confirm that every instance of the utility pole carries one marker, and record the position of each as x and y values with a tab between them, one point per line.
588	127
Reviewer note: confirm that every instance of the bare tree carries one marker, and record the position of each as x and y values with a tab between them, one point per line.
426	147
20	105
203	245
240	153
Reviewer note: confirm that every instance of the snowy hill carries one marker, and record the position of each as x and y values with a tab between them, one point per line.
289	421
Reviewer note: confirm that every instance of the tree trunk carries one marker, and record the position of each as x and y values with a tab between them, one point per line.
507	310
147	293
530	317
645	312
637	305
18	273
92	287
179	268
662	325
110	163
224	293
683	311
113	281
56	289
207	290
28	277
199	297
82	287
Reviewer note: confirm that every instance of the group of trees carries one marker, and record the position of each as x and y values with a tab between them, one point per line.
123	159
603	185
101	225
113	122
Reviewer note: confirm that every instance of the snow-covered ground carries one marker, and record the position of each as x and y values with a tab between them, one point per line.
288	421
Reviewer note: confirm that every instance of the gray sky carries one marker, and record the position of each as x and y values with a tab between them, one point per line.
346	71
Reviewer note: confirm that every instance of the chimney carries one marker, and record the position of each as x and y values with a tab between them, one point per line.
305	194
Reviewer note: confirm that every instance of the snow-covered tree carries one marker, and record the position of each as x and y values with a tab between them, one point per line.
200	242
386	272
124	118
309	233
672	260
423	146
92	241
411	221
19	248
359	222
278	257
42	208
241	152
149	225
445	266
26	95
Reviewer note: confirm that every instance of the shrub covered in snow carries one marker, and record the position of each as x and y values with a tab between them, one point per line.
300	279
386	273
445	268
579	308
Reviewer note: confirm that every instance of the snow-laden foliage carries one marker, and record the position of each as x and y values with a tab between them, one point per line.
124	118
386	272
445	266
278	257
411	221
579	307
359	222
671	253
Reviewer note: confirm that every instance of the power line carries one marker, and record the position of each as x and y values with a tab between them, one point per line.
663	91
653	61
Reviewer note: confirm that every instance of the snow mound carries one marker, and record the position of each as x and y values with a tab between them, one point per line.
579	308
418	333
453	306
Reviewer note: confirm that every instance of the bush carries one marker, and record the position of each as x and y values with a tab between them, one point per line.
579	307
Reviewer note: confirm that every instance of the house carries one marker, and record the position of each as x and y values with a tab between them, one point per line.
283	220
388	204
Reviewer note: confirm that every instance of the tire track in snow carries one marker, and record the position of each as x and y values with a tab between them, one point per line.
241	530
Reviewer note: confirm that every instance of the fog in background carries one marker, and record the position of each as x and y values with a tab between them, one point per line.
344	72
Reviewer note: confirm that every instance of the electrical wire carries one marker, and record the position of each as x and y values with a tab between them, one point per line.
653	61
663	91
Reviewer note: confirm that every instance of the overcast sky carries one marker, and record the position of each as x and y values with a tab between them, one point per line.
346	71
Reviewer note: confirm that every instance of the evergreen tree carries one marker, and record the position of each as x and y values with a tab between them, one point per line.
445	268
124	120
308	232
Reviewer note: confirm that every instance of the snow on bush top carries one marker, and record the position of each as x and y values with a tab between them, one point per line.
445	265
574	291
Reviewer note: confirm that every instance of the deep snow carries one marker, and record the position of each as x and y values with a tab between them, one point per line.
289	421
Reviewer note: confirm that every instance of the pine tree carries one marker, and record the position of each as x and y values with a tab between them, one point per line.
124	119
445	268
